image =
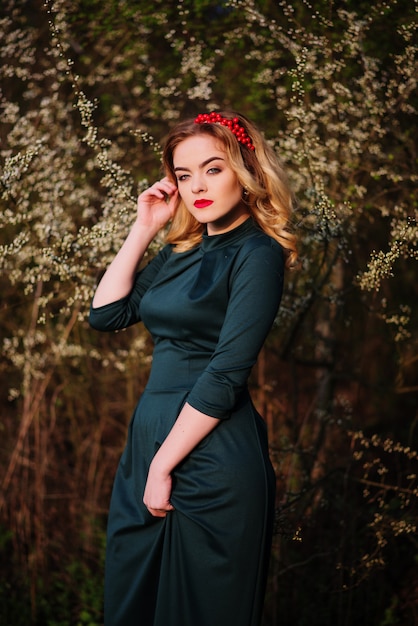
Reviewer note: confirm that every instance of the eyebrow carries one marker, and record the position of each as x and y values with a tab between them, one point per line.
214	158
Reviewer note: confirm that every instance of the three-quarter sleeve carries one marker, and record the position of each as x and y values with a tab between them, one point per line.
255	294
125	311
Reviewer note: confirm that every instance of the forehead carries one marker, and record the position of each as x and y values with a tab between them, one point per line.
196	149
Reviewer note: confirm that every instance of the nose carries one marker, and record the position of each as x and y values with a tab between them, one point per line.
198	184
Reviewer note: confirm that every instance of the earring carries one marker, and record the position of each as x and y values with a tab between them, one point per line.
245	192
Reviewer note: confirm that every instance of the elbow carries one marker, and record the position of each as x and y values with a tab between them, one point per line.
98	321
94	323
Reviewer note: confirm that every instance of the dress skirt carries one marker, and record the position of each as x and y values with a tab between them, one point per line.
205	563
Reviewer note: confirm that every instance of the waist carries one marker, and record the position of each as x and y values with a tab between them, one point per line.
175	368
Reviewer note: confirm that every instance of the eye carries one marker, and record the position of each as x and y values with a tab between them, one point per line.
214	170
182	177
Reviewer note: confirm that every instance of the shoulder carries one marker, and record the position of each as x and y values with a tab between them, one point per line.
160	256
258	239
166	251
259	264
260	247
151	267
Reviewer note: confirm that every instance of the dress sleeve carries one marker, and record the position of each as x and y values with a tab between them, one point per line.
255	294
125	312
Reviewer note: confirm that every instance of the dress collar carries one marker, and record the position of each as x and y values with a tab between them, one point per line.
213	242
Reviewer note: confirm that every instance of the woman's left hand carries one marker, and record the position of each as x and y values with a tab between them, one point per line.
158	492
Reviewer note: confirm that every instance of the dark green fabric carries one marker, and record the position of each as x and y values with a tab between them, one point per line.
209	311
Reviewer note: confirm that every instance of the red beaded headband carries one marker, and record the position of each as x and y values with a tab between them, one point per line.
233	125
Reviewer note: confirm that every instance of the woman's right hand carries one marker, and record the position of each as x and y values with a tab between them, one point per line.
157	204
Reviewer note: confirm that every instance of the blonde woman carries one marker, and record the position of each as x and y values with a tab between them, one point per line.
191	515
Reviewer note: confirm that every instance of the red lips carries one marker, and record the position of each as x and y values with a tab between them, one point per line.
201	204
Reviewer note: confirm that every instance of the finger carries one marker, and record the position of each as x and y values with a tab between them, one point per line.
173	200
166	186
160	512
158	190
157	513
166	180
170	195
166	507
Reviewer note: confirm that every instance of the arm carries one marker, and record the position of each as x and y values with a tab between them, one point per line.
255	292
126	311
189	429
153	213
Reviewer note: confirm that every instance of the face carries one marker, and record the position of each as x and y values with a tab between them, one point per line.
207	185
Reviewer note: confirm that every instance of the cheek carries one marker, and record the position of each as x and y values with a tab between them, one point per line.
184	188
236	191
234	185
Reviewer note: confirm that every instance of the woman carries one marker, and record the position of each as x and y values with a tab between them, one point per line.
190	519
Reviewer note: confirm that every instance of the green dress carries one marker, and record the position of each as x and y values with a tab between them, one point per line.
205	564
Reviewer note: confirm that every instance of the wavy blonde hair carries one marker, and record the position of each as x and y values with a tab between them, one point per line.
259	171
